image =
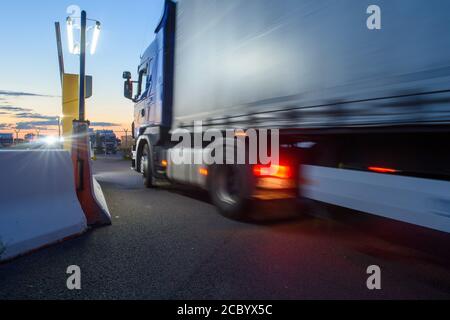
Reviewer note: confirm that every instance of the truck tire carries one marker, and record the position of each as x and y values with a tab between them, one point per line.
230	188
147	167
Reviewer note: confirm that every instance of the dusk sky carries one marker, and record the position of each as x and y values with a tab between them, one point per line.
30	88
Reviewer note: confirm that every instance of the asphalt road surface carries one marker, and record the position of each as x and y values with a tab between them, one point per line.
172	244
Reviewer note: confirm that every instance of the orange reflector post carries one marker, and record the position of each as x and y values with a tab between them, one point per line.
203	172
274	171
383	170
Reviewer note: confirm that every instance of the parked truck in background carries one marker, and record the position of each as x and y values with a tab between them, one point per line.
363	114
104	142
6	140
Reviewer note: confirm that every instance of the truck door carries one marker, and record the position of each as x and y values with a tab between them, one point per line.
141	112
145	98
151	96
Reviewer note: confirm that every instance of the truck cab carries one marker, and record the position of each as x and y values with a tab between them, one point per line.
152	89
148	102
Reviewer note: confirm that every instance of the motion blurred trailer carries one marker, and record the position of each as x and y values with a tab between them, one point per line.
363	114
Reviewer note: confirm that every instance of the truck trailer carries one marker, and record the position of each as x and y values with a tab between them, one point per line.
362	114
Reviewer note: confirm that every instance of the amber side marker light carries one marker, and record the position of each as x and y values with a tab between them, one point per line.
203	171
383	170
240	134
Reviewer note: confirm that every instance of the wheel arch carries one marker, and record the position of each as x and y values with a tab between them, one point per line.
142	141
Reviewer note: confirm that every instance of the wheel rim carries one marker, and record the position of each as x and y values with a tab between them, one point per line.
144	164
229	185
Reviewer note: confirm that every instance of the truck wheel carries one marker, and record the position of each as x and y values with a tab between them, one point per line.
147	168
230	188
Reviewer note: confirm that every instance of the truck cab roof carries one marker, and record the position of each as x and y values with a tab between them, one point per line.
149	53
152	49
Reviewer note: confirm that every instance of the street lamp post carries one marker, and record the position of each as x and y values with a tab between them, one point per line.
81	157
126	137
59	126
80	144
17	131
80	48
82	67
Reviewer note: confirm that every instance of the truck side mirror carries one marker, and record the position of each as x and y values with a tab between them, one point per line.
128	89
127	75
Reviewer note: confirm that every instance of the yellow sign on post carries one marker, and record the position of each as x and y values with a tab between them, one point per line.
71	104
70	107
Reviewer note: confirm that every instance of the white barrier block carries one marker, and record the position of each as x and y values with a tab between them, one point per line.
418	201
100	197
38	201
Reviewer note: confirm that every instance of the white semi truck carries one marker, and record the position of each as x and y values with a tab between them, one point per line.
362	106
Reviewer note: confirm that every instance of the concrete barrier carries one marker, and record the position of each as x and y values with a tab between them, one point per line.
38	201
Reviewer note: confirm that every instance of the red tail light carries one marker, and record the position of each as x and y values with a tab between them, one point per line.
383	170
274	171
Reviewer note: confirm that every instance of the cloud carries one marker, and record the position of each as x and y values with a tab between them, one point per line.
24	113
4	126
36	116
104	124
30	125
49	121
10	108
22	94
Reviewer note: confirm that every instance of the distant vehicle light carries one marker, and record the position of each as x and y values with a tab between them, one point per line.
383	170
275	171
50	141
